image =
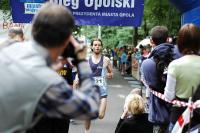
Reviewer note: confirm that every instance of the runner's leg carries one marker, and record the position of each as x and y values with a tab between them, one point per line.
102	108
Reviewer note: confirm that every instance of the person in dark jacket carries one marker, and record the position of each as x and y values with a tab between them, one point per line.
134	119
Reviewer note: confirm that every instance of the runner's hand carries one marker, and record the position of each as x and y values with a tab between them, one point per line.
109	75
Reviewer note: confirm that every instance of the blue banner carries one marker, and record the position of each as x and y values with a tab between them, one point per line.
185	5
86	12
191	16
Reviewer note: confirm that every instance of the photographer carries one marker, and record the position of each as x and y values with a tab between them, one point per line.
30	88
56	125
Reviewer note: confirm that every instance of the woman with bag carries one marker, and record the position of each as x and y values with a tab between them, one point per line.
183	73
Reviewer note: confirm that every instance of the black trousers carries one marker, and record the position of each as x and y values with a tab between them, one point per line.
50	125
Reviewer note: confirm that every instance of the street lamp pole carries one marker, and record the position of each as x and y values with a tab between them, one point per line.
99	31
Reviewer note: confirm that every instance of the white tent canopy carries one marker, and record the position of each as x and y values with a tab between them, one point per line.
144	42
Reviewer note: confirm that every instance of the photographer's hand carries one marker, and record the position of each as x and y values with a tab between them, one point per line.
58	65
80	49
124	114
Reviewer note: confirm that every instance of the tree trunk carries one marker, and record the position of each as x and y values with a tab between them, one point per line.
135	36
145	27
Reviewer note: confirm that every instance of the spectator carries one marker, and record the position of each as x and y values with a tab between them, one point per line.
145	53
119	54
134	119
114	54
183	73
124	61
133	91
159	39
30	88
136	57
15	34
128	64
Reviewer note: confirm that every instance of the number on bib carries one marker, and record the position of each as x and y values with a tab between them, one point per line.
99	81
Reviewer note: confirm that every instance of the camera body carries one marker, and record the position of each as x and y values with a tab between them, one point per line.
69	51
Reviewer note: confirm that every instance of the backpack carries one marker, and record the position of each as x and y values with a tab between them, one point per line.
159	110
162	55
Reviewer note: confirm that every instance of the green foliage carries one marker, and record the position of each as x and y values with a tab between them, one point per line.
160	12
111	36
5	7
89	31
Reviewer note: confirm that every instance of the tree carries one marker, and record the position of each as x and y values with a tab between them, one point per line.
111	36
5	7
160	12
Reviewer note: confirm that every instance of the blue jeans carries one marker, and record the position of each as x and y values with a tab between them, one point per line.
170	128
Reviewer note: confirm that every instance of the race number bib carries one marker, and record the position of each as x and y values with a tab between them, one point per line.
99	81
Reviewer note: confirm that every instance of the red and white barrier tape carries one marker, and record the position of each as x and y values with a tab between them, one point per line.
174	102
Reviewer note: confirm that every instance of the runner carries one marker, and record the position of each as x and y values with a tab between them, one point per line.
101	68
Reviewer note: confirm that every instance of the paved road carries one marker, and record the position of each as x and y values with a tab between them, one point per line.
119	87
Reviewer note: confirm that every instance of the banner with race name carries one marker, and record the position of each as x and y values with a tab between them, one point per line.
86	12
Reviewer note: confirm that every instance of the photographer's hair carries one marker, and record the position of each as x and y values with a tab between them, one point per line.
96	39
159	34
52	25
135	104
189	39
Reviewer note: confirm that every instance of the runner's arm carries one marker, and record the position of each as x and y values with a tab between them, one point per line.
109	69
